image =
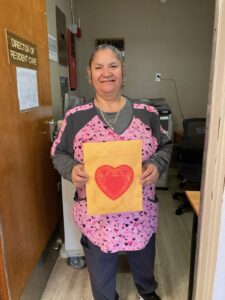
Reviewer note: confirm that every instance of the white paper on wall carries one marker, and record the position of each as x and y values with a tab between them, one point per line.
27	88
52	48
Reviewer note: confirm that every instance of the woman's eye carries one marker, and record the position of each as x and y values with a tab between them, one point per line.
97	68
113	66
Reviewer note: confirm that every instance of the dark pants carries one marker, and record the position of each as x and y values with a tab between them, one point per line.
102	269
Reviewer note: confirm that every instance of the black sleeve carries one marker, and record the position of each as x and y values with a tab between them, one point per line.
62	152
161	157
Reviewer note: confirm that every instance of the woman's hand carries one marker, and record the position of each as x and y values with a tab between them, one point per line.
78	176
149	175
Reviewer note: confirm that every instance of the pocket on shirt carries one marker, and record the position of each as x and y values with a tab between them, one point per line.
155	200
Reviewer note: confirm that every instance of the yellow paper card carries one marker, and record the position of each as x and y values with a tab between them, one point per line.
114	170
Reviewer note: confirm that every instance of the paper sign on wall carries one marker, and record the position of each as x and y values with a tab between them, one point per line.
27	88
114	170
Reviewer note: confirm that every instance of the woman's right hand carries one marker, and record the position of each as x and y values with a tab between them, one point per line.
78	176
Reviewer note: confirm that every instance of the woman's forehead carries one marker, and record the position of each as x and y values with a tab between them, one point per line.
104	54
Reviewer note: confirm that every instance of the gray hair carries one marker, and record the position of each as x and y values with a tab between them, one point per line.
115	50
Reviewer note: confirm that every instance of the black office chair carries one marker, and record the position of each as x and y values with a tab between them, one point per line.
190	154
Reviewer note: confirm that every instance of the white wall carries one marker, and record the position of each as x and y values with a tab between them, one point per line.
173	39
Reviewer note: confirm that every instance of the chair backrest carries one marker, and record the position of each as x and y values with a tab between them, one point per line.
193	140
194	131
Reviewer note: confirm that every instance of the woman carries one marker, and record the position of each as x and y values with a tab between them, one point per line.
109	116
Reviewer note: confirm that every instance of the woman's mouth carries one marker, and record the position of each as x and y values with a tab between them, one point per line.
108	80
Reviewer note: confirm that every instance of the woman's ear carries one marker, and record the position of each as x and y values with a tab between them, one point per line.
89	74
123	75
123	69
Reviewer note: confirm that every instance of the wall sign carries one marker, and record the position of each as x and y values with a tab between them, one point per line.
52	48
21	52
27	88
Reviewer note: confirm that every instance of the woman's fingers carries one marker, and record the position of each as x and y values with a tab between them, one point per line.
78	176
149	175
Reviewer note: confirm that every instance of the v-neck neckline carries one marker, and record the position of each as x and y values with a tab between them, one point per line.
127	123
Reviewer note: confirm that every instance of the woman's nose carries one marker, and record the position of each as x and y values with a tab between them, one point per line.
106	72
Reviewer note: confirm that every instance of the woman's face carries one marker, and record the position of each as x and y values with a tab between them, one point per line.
106	73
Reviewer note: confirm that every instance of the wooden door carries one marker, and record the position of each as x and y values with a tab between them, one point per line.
29	208
208	284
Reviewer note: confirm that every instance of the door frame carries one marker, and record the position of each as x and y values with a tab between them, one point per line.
4	286
213	179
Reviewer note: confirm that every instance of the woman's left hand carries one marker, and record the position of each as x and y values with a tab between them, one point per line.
149	175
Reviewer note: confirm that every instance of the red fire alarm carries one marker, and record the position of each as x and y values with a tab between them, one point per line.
78	34
72	59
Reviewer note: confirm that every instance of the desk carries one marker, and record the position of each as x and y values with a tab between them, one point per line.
194	199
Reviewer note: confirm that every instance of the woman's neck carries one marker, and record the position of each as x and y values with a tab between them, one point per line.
109	104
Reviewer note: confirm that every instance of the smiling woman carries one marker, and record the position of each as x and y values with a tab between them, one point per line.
105	71
111	117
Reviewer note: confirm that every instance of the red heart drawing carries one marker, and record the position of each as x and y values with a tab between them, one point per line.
114	182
